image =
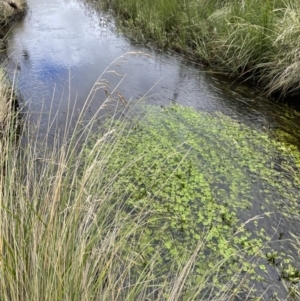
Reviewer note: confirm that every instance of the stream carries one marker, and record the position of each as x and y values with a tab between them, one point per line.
58	51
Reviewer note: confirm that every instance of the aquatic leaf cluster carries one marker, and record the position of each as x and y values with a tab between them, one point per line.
204	179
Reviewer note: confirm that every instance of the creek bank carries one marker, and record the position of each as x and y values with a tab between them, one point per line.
9	11
243	40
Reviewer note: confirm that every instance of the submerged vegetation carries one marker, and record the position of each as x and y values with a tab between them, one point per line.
252	39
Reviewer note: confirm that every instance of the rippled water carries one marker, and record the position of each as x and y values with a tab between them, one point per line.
59	50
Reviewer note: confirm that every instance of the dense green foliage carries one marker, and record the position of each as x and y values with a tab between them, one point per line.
251	38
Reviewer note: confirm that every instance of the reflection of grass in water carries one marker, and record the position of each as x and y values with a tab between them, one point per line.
198	173
250	38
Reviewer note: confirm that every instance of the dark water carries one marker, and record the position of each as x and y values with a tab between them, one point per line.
62	48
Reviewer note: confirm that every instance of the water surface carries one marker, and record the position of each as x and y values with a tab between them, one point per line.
67	45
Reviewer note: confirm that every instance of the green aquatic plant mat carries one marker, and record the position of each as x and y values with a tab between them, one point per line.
207	178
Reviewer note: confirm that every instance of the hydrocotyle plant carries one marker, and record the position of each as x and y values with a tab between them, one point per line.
204	177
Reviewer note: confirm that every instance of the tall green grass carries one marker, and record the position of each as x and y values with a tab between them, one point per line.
252	39
68	233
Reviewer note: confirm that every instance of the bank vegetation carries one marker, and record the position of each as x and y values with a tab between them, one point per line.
248	39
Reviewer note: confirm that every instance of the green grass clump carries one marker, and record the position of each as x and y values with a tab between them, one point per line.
243	38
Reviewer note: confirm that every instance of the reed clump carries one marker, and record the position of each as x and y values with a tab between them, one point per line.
242	38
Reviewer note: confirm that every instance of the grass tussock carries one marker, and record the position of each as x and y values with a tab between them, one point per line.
87	216
243	38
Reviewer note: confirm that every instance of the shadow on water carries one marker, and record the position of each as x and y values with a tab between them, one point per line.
61	47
